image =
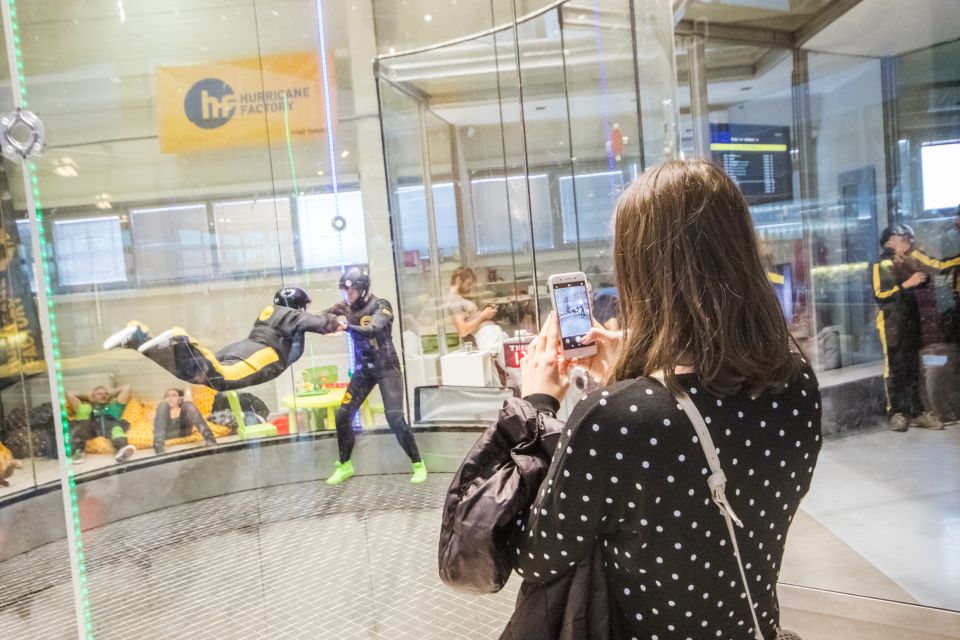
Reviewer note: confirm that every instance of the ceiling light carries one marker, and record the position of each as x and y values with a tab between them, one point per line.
102	201
344	153
320	172
65	167
427	18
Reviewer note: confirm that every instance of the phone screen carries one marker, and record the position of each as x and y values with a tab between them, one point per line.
573	309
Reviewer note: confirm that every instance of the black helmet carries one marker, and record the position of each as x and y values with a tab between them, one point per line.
899	230
293	297
356	279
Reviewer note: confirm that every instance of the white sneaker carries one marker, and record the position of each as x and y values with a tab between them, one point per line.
125	453
161	340
130	336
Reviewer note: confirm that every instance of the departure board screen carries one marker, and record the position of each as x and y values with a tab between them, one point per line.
757	157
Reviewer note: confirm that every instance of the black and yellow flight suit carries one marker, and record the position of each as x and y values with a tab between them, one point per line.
275	342
898	321
370	324
946	266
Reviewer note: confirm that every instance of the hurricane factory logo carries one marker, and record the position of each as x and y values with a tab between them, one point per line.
210	103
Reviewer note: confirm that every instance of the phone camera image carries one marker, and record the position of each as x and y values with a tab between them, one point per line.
573	311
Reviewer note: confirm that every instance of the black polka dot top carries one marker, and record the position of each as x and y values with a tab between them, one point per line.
630	475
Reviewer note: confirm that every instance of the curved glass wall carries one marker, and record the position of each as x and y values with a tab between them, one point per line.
509	152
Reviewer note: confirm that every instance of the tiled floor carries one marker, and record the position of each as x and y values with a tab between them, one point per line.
359	561
894	498
298	561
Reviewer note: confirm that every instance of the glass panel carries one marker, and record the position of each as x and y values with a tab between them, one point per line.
419	295
831	145
245	244
174	240
509	194
315	221
586	206
607	148
89	251
784	15
442	153
35	585
412	202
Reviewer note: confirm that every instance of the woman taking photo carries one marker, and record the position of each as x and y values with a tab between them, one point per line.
629	474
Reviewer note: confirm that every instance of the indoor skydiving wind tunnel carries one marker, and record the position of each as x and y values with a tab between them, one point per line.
200	158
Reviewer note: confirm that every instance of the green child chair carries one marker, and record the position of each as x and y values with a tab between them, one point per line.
250	431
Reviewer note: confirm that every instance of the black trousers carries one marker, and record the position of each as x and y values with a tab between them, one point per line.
107	426
182	426
238	365
903	380
391	389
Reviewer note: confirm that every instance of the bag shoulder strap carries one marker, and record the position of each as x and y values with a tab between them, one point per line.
717	483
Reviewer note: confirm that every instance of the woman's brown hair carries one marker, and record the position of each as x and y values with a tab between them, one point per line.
692	287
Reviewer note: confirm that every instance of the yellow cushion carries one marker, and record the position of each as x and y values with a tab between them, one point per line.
203	398
5	454
99	445
140	415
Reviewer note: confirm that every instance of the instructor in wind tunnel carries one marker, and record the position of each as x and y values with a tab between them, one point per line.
369	321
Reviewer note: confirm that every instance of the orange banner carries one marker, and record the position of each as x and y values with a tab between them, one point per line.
241	102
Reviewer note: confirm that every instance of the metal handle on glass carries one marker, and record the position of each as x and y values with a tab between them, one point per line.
27	122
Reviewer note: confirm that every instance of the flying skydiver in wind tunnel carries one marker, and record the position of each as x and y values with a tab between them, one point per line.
275	342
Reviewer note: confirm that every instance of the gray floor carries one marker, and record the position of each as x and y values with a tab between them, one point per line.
894	498
298	561
359	561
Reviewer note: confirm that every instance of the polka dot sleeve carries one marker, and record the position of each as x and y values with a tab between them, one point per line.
578	499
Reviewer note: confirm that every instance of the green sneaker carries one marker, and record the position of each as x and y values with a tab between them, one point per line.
342	472
419	473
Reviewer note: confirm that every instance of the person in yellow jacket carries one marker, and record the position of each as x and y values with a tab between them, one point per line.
947	266
898	322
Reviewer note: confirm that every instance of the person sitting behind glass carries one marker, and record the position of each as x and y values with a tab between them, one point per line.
176	417
100	414
473	325
466	316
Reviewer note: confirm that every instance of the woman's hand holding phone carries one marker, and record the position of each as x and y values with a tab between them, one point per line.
542	370
608	344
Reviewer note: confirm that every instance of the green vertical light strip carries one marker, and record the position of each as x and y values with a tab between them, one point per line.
34	206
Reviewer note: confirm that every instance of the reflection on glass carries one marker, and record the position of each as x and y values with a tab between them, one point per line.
339	218
510	195
413	219
245	244
587	216
173	240
89	251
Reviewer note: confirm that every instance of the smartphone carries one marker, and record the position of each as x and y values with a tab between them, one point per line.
571	303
